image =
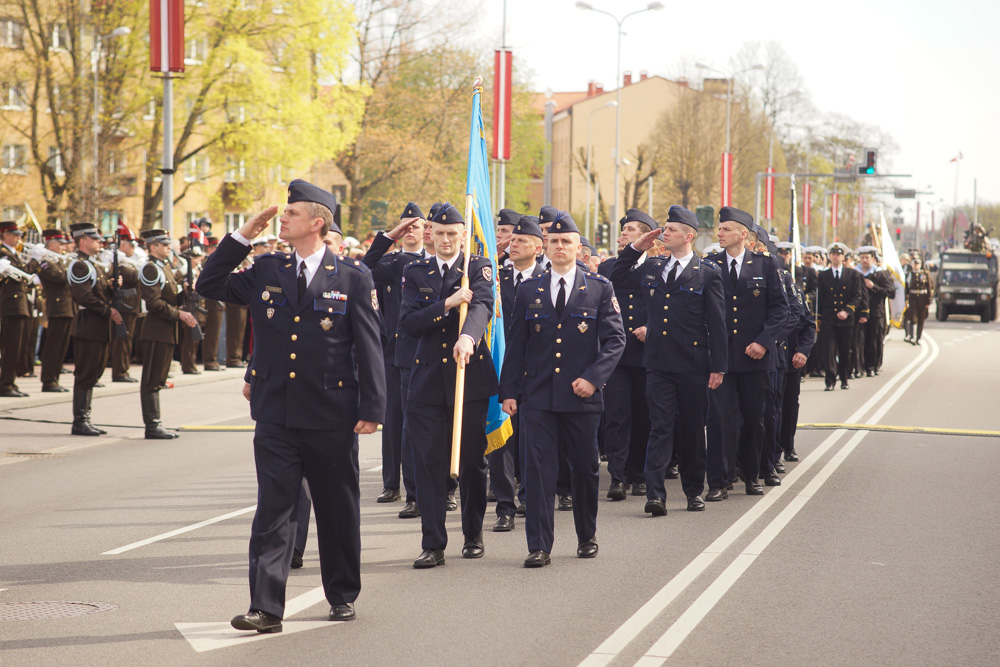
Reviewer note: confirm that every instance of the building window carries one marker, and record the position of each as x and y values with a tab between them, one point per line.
13	97
11	34
11	212
196	169
234	221
55	161
60	37
149	111
12	157
196	50
117	162
235	171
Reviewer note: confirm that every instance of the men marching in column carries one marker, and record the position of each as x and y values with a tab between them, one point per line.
565	339
432	295
685	351
160	291
316	382
59	311
91	289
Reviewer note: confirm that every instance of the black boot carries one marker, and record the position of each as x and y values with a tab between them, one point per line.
81	413
90	399
151	417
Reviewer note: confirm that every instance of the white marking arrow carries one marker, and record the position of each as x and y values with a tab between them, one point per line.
214	635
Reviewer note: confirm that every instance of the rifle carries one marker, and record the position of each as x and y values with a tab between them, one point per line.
192	300
117	293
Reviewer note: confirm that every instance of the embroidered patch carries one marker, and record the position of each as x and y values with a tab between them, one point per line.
614	302
375	299
326	323
265	295
270	313
488	273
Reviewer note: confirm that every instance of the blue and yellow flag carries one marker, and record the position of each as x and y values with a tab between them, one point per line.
477	186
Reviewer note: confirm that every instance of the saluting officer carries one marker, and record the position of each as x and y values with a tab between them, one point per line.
59	311
432	295
316	382
684	353
565	339
15	317
91	290
161	293
839	297
213	321
755	311
387	271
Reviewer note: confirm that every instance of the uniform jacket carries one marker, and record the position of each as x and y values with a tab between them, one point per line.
55	287
91	290
161	292
792	321
686	327
317	363
422	317
803	337
884	288
546	352
387	271
633	313
13	293
507	291
756	311
834	297
919	294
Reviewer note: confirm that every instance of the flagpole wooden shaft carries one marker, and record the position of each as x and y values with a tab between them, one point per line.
463	311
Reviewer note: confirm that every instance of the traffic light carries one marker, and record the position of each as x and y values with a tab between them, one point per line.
867	166
899	233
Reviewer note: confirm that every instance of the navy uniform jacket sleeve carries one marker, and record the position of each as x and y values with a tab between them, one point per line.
623	275
792	320
777	308
366	329
716	320
611	335
383	271
806	333
217	281
516	344
884	285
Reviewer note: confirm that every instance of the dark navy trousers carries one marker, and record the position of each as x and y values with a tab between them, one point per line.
677	430
736	426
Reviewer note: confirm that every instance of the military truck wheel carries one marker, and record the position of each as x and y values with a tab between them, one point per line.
941	312
993	309
985	315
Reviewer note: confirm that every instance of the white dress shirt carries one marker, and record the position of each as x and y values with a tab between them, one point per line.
312	263
682	261
739	262
570	279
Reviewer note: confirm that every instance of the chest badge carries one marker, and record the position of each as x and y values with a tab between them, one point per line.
326	323
538	328
652	292
374	299
582	326
265	295
756	293
270	313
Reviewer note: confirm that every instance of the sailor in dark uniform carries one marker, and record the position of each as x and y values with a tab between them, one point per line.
838	300
432	296
316	381
565	338
880	286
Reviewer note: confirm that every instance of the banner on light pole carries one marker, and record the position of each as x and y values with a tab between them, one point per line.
769	195
502	61
166	36
727	179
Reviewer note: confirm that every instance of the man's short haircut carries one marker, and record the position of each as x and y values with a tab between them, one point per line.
315	210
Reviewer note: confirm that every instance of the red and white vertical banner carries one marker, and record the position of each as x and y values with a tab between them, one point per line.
727	179
502	61
166	36
833	214
806	204
861	212
769	195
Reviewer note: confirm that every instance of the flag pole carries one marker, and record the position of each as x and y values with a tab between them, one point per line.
463	311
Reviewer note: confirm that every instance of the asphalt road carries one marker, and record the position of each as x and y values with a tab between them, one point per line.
880	547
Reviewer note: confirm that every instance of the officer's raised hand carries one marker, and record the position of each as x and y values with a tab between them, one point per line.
583	388
463	295
399	231
258	223
645	242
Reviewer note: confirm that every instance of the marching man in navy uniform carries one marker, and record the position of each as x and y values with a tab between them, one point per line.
839	296
565	338
432	294
316	382
756	311
685	351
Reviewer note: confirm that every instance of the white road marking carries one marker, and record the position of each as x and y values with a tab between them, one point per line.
375	469
692	617
631	628
179	531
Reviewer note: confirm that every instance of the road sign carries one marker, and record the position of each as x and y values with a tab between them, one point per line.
898	220
905	194
898	210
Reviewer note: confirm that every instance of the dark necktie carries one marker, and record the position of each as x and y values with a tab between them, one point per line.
302	280
732	274
444	270
517	280
561	296
673	274
836	275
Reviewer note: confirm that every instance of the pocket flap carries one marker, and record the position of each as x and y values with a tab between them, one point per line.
330	305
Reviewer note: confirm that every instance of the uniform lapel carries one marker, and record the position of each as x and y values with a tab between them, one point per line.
692	269
455	272
287	280
575	294
327	267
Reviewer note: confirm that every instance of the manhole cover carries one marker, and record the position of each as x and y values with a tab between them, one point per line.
30	611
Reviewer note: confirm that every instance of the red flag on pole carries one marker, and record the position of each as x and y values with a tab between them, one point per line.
166	35
769	195
124	232
501	103
197	236
727	179
833	214
806	203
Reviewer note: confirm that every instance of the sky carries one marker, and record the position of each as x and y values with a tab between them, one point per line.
927	73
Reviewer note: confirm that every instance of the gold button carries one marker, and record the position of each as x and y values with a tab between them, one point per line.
291	356
445	360
558	326
295	337
665	307
668	296
630	318
557	370
253	372
696	343
558	355
734	309
397	335
584	313
292	375
735	320
734	297
630	306
664	320
734	330
558	340
445	330
341	383
630	329
416	361
331	310
444	345
297	318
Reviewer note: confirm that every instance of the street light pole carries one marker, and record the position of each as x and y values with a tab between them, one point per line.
652	6
590	119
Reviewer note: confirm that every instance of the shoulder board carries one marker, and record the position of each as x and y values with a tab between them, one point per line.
657	259
82	271
347	261
425	260
713	265
276	253
596	276
544	276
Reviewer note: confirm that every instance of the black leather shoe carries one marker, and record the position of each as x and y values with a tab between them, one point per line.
537	558
504	524
870	373
673	472
296	560
617	490
587	549
715	495
429	558
754	488
54	388
656	507
124	378
473	547
565	503
490	496
12	393
213	368
779	467
639	489
388	495
844	385
157	432
772	479
342	612
260	621
520	510
791	456
409	511
830	387
450	504
696	504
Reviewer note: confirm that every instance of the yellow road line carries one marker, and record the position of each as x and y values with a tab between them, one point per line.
925	430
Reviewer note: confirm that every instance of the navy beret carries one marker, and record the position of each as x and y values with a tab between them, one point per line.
527	225
299	190
635	215
435	207
761	233
564	224
586	244
547	214
682	215
448	215
411	211
728	213
508	216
